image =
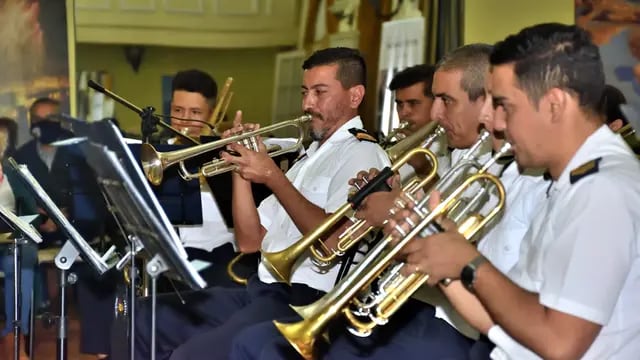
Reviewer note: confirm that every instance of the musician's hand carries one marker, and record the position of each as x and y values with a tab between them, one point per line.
239	127
441	254
420	164
363	177
254	166
375	207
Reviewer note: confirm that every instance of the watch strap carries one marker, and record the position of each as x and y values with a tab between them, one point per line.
468	274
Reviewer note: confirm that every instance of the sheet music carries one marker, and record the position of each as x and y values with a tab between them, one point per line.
22	223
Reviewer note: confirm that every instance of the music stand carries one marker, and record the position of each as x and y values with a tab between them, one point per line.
141	225
75	246
24	232
135	207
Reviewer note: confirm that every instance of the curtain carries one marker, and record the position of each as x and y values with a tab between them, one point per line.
444	27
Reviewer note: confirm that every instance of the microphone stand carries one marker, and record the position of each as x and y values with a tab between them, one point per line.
150	121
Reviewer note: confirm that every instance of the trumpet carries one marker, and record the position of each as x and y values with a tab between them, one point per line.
154	163
628	133
395	135
379	264
281	263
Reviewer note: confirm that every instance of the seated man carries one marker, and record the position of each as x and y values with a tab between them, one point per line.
556	302
428	324
333	88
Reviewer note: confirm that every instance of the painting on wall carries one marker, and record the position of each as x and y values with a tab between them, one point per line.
615	27
37	47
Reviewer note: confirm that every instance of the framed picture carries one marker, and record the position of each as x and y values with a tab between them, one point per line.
615	27
37	43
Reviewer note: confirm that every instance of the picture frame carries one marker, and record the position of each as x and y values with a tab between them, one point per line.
39	44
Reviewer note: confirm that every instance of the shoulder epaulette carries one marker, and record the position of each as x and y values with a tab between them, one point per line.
586	169
363	135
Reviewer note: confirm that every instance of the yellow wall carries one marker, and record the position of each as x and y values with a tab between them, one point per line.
252	70
489	21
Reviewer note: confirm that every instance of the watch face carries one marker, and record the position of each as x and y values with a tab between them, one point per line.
467	276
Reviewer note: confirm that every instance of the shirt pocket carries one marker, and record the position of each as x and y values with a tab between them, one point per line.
316	190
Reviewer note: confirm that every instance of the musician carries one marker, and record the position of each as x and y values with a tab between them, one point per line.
50	166
413	98
332	90
193	96
556	302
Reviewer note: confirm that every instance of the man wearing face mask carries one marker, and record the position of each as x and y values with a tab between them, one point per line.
47	163
50	166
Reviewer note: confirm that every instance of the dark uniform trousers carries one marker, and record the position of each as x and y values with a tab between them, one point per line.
412	333
205	325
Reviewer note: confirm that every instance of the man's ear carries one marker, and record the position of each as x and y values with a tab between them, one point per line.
557	101
356	94
616	125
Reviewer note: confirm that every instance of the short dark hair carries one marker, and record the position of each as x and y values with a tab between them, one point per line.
352	69
196	81
554	55
414	75
473	61
610	103
41	101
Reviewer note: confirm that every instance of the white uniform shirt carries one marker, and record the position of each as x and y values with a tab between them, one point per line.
501	245
581	254
213	231
322	177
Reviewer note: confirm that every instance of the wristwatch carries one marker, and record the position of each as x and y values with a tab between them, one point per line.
468	274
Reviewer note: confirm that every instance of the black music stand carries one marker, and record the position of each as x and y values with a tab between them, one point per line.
135	207
75	246
142	226
23	233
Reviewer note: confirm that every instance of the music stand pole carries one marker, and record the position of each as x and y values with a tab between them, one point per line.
155	267
17	284
64	260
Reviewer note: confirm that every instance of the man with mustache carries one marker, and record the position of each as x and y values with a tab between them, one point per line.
332	90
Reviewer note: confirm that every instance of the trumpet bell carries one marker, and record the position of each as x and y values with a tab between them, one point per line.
299	336
152	165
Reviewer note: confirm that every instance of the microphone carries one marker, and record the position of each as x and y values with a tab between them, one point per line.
150	121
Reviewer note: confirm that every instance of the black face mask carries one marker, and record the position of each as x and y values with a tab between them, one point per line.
46	131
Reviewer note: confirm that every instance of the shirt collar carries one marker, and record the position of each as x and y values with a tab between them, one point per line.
339	135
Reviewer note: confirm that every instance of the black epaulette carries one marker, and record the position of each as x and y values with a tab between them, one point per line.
363	135
586	169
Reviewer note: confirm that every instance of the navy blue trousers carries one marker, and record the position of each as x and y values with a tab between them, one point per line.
481	349
205	326
412	333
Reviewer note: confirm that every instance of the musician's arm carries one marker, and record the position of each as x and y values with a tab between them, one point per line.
468	306
246	221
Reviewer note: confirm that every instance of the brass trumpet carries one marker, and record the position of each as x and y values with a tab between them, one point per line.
628	133
155	163
379	263
395	135
281	262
